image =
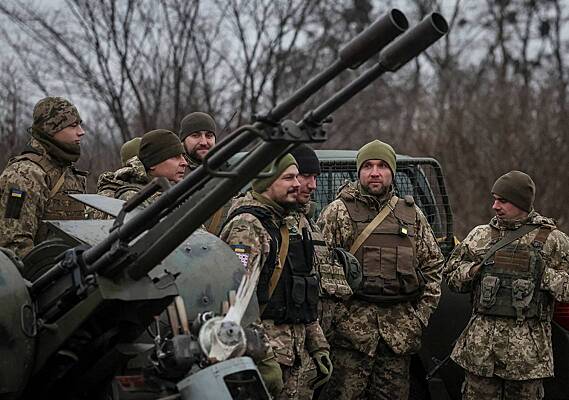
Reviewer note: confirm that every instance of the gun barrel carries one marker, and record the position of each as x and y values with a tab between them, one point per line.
413	42
359	49
373	39
392	57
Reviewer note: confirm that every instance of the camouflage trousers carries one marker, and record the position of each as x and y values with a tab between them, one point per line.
482	388
291	380
326	312
357	376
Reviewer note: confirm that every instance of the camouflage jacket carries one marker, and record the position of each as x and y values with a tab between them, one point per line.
288	341
400	325
31	191
123	183
501	346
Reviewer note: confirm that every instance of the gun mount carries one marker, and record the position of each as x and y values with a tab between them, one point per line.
78	308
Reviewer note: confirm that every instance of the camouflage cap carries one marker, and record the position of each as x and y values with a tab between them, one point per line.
52	114
130	149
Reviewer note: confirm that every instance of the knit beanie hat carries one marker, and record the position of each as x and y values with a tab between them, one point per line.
376	150
196	122
130	149
52	114
307	160
516	187
261	185
159	145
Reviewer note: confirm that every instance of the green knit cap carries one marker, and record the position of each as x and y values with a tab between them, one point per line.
261	185
376	150
196	122
52	114
159	145
517	187
130	149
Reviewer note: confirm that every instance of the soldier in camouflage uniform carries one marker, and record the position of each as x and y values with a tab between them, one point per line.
35	184
197	133
130	149
333	284
380	327
515	267
259	227
161	154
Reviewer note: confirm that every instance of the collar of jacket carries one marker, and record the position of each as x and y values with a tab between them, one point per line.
39	148
533	218
63	154
275	208
354	191
308	209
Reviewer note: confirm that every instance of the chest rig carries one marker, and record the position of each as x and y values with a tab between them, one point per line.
332	279
388	256
61	181
296	295
510	280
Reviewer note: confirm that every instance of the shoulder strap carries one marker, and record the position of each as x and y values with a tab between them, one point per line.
57	185
283	250
215	221
37	158
373	224
507	239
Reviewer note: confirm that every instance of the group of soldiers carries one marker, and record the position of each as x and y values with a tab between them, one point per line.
344	299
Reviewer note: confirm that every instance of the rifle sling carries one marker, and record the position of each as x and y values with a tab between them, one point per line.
508	238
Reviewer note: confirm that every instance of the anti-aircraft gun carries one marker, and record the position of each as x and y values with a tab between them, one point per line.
74	310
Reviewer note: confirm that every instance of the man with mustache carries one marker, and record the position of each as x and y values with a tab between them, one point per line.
35	184
381	325
197	133
264	233
334	287
516	266
161	154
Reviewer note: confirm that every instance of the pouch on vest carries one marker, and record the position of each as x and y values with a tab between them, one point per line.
388	255
488	290
509	285
298	291
522	293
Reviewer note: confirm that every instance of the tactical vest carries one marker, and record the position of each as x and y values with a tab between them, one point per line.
510	281
63	180
388	257
332	279
295	298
